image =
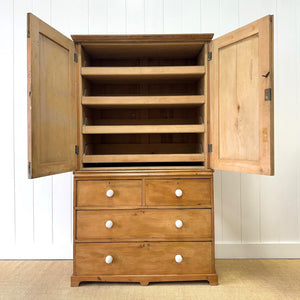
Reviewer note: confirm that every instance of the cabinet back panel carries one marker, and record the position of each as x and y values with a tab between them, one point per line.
143	143
162	54
140	116
158	88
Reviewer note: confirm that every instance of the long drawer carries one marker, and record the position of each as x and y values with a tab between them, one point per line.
112	193
143	258
178	192
144	224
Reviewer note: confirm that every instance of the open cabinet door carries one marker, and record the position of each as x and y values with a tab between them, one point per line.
51	100
242	99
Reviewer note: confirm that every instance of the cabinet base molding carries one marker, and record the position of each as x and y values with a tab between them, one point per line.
144	279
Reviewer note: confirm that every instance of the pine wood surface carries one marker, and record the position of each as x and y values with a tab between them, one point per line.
143	258
132	227
143	158
149	38
162	192
241	119
144	224
140	73
184	100
51	100
93	193
130	129
146	52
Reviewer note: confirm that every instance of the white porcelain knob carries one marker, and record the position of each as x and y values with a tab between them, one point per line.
178	258
178	223
109	259
109	224
178	193
109	193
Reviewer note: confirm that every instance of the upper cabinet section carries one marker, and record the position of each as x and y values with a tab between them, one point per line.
143	100
242	99
51	100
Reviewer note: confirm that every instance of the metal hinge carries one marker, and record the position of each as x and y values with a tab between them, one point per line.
209	147
76	149
268	94
75	57
29	169
209	56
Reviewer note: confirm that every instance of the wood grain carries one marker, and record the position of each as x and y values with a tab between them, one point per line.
145	101
129	129
241	119
143	258
149	38
93	193
51	100
145	224
108	158
107	74
162	192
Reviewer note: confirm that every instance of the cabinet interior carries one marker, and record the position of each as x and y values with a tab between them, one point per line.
142	103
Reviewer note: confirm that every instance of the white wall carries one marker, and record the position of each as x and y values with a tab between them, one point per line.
256	216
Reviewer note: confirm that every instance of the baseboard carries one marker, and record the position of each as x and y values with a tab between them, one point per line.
266	250
37	251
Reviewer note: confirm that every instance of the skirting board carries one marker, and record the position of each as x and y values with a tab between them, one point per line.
267	250
36	251
223	251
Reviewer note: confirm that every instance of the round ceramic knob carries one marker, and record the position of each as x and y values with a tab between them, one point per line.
178	223
109	193
178	193
178	258
109	224
109	259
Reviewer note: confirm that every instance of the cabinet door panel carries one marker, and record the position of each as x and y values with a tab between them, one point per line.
241	118
51	100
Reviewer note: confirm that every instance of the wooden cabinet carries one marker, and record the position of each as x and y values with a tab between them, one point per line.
163	241
143	120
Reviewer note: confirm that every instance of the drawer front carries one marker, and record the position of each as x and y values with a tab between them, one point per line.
94	193
189	192
144	224
143	258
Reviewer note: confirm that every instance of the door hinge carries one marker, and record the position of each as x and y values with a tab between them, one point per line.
75	57
268	94
29	169
209	147
76	149
209	56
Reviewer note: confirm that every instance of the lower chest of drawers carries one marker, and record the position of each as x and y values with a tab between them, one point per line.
143	227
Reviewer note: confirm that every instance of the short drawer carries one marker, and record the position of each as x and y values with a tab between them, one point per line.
145	224
109	193
178	192
143	258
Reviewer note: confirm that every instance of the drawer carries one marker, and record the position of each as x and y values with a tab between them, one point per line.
146	224
94	193
189	192
143	258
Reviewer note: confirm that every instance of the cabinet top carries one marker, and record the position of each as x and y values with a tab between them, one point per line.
143	38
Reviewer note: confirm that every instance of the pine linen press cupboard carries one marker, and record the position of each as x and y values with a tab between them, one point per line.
143	120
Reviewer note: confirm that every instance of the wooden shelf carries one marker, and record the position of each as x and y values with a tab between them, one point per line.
143	158
143	100
131	129
133	73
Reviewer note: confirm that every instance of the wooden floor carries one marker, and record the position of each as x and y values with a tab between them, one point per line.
238	279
